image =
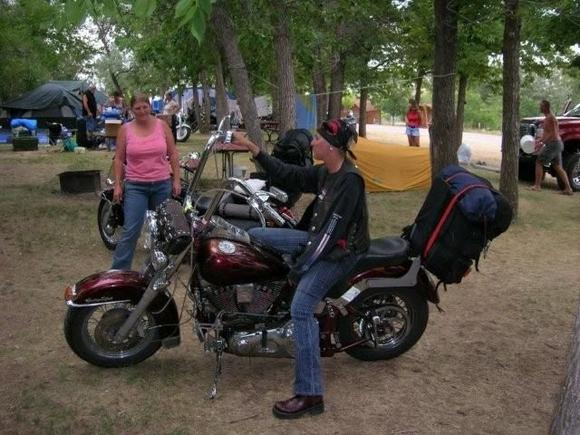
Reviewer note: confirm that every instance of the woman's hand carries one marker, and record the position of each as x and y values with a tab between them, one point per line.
118	193
176	188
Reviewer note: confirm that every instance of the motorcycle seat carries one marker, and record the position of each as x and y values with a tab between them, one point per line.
385	251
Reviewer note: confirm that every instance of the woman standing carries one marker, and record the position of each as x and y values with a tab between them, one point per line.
413	121
142	173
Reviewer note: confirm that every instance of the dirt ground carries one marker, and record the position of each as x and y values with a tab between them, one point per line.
485	147
491	363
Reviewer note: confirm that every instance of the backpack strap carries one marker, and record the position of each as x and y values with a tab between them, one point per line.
437	231
451	177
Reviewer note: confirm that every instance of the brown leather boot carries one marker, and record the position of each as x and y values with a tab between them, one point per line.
297	406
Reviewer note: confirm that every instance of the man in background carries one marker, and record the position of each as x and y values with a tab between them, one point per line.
171	107
90	110
550	148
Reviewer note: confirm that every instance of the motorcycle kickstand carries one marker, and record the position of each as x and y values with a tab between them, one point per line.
212	392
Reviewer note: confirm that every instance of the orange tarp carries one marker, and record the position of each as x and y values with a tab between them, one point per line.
392	167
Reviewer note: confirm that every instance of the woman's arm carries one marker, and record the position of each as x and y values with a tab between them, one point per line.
173	158
119	162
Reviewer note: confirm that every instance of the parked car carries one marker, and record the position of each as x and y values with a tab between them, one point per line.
569	124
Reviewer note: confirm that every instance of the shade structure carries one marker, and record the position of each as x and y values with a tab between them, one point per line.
394	168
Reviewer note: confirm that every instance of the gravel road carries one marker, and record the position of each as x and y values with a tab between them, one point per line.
484	147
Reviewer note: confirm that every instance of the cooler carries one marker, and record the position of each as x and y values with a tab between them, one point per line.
112	127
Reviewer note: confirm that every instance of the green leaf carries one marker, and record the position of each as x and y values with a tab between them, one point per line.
198	25
75	12
188	17
152	7
145	8
205	6
184	7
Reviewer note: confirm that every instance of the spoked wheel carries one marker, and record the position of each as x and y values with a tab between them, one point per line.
90	333
392	321
110	221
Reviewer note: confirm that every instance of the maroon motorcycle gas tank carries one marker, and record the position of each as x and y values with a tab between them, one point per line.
227	262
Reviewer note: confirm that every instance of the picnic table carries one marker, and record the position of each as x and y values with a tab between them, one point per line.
271	129
227	151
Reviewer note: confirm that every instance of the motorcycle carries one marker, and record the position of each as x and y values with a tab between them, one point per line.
234	207
240	295
182	129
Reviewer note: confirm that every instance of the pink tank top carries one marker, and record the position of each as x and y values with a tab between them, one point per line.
146	156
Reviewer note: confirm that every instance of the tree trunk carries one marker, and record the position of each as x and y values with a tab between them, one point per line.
362	117
460	115
419	85
319	86
206	110
196	104
227	38
508	181
284	68
275	95
567	414
222	109
115	81
336	86
443	125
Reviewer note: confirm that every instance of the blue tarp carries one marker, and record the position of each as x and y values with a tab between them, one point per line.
306	112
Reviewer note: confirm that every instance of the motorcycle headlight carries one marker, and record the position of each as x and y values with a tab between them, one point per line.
158	259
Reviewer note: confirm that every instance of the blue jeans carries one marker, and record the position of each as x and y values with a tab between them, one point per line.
138	197
91	124
312	287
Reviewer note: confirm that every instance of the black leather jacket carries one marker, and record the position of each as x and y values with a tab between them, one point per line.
336	220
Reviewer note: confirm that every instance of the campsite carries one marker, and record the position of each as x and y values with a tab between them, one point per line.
282	217
492	362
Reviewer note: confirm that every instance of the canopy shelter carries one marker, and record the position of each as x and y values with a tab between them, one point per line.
392	167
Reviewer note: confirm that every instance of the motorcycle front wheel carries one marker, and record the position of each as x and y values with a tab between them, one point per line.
183	132
392	320
108	221
90	333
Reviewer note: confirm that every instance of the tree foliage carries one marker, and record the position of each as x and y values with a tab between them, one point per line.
35	48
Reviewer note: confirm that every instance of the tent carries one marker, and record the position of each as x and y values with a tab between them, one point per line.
392	167
46	101
78	87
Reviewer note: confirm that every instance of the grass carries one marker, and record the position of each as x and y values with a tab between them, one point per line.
48	240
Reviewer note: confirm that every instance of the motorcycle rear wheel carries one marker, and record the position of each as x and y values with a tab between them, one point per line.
89	331
109	229
183	133
400	317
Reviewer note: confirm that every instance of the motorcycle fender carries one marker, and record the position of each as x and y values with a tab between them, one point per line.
415	278
114	286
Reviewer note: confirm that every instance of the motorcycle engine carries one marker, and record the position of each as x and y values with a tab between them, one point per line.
246	298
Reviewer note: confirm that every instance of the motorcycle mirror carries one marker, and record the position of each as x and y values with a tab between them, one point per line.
279	194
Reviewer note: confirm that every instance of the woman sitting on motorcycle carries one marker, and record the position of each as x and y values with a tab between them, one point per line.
332	234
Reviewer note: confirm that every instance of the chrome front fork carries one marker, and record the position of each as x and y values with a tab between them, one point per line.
159	283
